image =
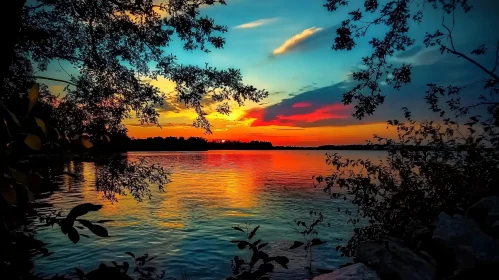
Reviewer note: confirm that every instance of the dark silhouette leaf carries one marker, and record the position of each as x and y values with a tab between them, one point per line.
253	232
296	244
82	209
263	269
317	241
104	221
99	230
262	245
258	255
254	244
238	228
85	223
73	235
283	261
142	259
242	244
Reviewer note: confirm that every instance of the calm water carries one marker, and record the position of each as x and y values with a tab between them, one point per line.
189	225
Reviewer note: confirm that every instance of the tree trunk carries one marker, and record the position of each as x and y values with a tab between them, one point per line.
11	25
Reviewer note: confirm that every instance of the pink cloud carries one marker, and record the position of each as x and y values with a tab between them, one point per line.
302	105
331	111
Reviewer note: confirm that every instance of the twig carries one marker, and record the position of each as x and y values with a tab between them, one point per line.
53	79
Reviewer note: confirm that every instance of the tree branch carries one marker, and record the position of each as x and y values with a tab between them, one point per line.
475	63
455	52
497	58
53	79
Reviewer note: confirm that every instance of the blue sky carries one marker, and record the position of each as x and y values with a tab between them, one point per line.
284	46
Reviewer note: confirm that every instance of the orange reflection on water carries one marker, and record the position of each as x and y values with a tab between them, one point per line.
205	185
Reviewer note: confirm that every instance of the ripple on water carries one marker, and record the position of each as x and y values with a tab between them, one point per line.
189	225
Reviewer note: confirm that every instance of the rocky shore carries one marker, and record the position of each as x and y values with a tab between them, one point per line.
454	248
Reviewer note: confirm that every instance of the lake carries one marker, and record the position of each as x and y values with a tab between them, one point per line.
188	226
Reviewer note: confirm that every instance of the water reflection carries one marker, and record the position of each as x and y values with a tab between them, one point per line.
188	225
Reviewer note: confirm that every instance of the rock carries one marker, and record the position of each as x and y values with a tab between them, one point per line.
464	241
392	260
482	273
485	211
494	229
358	271
416	233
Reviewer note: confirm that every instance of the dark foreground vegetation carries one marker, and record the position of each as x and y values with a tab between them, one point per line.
413	201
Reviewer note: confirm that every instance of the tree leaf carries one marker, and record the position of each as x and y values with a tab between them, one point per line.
12	116
252	233
130	254
255	244
262	245
238	228
283	261
42	126
296	244
108	140
73	235
104	221
83	209
85	141
99	230
10	196
317	241
242	244
142	259
33	142
33	95
85	223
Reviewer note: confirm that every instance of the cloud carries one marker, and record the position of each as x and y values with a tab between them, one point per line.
161	124
256	23
302	105
295	41
410	52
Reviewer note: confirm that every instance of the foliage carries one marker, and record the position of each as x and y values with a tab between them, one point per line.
26	176
142	270
309	233
110	52
118	175
395	16
433	166
244	269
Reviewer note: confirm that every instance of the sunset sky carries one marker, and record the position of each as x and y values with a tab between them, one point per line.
284	46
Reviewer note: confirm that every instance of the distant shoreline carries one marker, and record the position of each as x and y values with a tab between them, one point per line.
276	148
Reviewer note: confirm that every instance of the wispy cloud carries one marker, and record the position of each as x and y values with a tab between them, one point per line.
256	23
294	41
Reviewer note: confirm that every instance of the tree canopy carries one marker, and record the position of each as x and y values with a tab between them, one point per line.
395	17
117	47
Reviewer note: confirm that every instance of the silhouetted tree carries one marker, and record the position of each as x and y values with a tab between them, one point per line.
460	161
117	47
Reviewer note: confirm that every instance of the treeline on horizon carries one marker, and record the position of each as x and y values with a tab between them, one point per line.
202	144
